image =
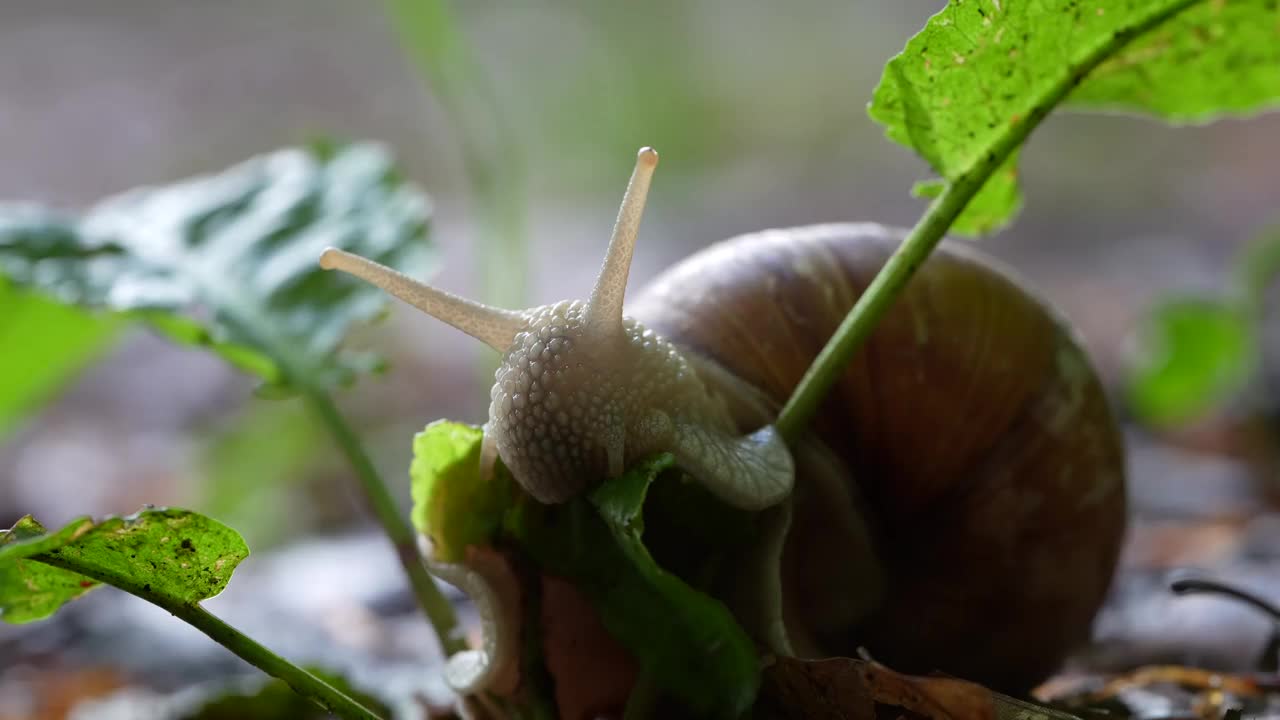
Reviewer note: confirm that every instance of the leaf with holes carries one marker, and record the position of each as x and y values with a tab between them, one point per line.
980	68
168	556
229	261
1219	58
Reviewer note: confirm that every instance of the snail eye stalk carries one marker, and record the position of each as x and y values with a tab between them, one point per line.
604	308
492	326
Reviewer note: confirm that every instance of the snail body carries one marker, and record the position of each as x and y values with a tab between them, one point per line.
959	501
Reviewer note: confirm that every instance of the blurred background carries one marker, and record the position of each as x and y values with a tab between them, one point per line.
759	113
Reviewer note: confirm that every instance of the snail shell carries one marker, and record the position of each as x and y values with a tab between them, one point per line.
974	437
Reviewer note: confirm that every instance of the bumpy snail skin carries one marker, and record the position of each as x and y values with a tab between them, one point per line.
569	407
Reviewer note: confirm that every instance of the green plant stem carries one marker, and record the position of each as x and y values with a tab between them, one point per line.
251	651
438	609
928	232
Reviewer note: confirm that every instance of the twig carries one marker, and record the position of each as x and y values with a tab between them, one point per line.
252	652
437	607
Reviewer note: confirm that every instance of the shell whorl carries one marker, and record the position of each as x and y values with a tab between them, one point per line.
971	422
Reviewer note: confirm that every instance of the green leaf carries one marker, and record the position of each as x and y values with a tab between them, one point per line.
981	69
991	209
1194	354
687	642
621	501
452	505
45	345
32	591
1218	58
169	556
229	261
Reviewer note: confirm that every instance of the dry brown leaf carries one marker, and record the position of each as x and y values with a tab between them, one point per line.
1191	678
849	689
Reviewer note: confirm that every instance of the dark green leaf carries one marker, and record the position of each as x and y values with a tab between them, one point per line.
45	344
1194	354
687	642
175	557
979	69
230	260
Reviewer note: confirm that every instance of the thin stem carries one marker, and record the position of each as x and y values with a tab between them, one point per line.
1191	586
928	232
438	609
302	682
249	650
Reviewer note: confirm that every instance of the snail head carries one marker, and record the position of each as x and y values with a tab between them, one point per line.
558	404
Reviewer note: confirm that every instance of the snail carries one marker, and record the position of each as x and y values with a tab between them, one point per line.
958	503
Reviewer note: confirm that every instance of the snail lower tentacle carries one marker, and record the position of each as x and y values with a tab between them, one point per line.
486	577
